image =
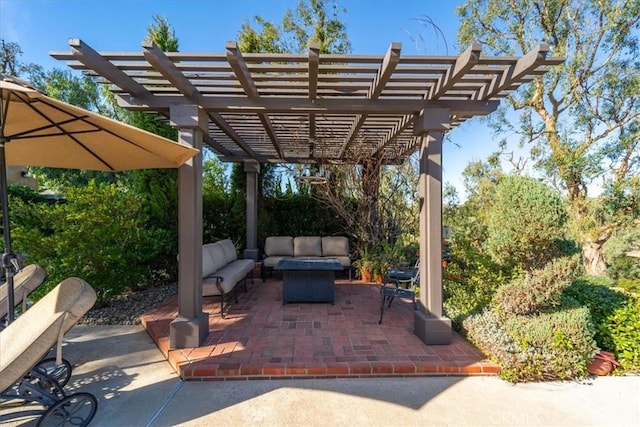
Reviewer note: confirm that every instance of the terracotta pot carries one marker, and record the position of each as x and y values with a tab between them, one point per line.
366	275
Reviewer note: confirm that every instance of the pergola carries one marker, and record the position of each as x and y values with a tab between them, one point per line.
308	108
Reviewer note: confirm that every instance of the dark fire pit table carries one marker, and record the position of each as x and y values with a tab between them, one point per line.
308	280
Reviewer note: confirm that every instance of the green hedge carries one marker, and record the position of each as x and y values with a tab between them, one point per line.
98	234
538	290
550	346
616	317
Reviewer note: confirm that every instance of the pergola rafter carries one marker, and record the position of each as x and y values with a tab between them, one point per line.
287	108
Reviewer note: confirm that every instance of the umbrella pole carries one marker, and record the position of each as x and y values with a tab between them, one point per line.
9	259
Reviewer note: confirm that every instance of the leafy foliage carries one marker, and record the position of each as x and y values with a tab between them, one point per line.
616	317
622	267
526	220
470	279
297	215
541	289
98	234
580	120
550	346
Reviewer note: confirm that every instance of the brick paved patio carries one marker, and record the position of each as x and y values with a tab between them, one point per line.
262	339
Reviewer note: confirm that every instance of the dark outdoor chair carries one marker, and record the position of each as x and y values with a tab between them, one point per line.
401	284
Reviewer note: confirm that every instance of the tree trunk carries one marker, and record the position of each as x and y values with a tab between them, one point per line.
593	259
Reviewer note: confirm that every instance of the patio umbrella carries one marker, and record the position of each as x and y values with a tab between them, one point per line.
36	130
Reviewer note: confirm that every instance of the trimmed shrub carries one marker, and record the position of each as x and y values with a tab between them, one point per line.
616	318
525	222
550	346
486	331
541	289
556	345
471	277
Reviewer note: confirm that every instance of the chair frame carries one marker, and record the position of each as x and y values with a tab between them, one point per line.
401	284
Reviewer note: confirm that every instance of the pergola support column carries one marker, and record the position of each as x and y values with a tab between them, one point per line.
251	170
429	323
191	327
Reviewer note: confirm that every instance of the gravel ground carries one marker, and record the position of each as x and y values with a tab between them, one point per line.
127	309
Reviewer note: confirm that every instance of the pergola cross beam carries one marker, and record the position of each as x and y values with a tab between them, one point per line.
314	65
239	67
283	107
515	73
93	60
465	62
157	58
389	64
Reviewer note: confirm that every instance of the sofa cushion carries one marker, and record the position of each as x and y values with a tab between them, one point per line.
245	266
229	250
344	260
278	246
212	259
335	246
273	260
307	246
209	287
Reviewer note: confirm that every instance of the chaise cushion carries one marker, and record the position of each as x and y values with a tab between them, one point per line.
24	282
307	246
278	246
30	337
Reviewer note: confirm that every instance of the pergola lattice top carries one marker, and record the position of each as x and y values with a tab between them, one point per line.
297	108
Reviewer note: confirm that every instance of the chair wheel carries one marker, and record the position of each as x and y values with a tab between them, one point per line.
61	373
74	410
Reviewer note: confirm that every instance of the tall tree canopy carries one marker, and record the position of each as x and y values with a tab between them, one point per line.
316	21
582	119
313	21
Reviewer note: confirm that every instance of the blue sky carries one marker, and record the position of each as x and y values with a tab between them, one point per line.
42	26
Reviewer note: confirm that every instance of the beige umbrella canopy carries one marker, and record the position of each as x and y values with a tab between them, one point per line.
36	130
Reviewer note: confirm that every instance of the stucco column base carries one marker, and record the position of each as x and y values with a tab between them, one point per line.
432	330
251	254
186	333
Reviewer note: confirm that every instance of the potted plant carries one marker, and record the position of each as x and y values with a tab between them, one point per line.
372	264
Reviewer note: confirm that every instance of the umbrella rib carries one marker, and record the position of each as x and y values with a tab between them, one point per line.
29	133
70	134
100	128
4	106
32	104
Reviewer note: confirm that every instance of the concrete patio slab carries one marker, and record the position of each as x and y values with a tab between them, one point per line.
135	386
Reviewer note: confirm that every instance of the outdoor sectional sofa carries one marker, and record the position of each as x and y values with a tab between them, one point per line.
305	247
222	270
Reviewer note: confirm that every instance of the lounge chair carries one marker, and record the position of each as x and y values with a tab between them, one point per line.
24	282
25	376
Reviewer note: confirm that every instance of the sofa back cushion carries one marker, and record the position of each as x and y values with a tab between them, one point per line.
278	246
335	246
229	250
307	246
212	259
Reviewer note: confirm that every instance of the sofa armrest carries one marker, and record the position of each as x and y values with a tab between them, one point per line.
219	280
